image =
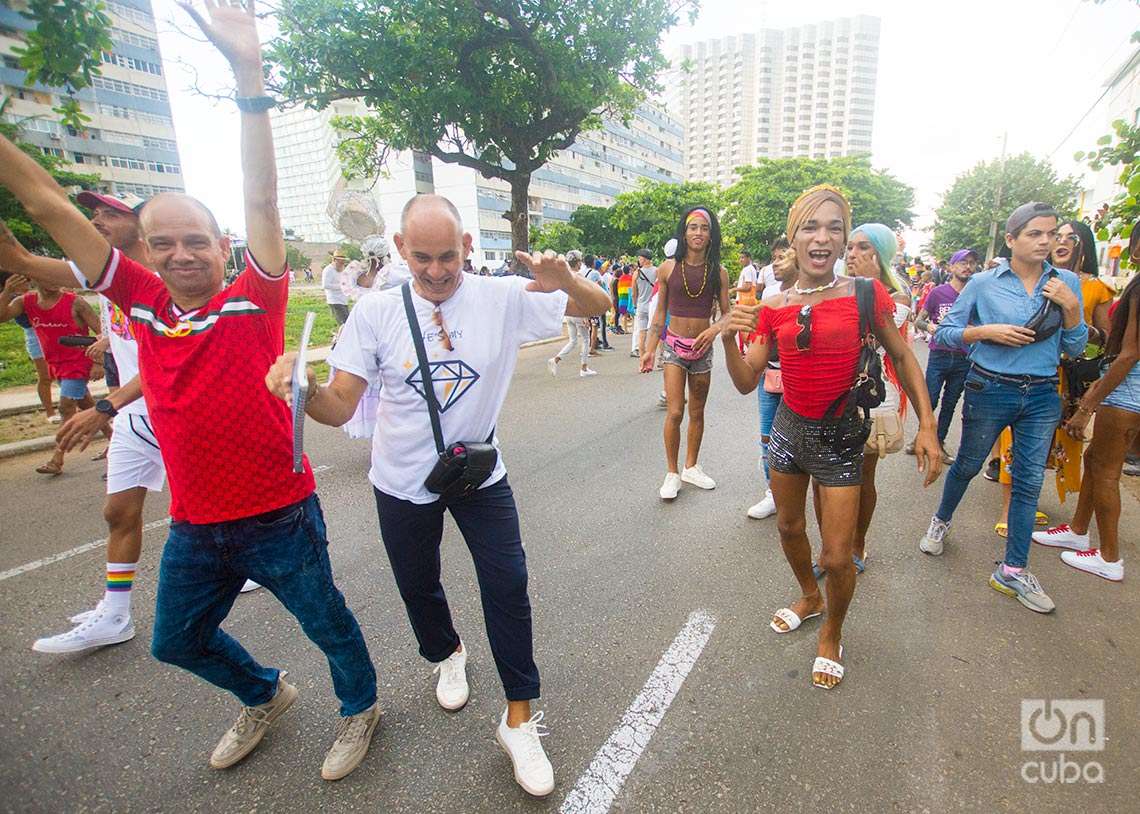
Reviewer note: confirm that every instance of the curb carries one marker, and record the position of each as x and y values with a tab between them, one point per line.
48	442
24	447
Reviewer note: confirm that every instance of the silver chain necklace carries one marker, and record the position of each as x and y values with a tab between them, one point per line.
834	282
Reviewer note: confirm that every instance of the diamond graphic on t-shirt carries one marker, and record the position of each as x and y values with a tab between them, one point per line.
450	379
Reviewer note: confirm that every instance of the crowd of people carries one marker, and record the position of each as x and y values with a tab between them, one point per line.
823	334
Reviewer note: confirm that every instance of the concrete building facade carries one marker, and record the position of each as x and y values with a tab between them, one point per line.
594	170
130	141
806	91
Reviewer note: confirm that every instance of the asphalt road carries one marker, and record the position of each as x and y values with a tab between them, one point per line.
927	719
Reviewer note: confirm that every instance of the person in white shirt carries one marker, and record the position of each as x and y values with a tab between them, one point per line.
768	279
332	283
472	328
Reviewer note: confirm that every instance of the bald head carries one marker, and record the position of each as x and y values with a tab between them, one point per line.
176	204
431	211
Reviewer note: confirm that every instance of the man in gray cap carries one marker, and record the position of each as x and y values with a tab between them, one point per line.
1016	319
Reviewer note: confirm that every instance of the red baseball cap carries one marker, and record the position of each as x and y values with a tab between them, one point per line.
127	203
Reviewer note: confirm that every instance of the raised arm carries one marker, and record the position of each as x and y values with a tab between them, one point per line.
47	204
11	304
552	273
745	371
233	31
14	257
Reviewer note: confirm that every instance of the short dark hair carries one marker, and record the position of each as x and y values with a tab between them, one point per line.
746	253
780	243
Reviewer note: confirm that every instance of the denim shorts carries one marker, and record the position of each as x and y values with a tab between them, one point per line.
1126	396
74	389
32	344
830	450
694	366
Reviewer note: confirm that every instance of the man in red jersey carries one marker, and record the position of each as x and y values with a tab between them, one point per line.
238	509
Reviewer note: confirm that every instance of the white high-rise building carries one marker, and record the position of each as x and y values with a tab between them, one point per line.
129	141
807	91
594	170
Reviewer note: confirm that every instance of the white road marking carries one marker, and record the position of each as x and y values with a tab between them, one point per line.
83	549
599	785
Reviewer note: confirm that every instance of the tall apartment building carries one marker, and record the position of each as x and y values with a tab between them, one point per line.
130	141
805	91
594	170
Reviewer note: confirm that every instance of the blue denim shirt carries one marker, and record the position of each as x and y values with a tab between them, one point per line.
996	297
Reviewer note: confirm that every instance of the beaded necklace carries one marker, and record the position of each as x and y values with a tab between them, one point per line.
685	280
834	282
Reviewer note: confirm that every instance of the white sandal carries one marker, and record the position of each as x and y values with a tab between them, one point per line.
790	618
827	667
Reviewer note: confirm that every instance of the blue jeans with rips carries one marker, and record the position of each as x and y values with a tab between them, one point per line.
202	571
1032	411
945	369
768	404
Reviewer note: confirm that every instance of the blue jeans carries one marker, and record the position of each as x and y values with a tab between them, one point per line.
769	402
945	369
203	569
1032	411
489	522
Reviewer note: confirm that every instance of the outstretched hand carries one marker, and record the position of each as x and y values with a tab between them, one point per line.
231	25
551	271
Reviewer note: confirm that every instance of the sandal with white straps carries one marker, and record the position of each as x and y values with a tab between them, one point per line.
790	618
829	668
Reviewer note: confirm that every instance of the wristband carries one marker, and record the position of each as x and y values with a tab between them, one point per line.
255	104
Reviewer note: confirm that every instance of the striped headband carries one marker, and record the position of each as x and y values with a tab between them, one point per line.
698	213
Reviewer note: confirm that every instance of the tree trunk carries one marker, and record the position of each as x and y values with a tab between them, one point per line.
518	215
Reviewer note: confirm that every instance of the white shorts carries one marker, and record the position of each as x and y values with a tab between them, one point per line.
133	458
642	323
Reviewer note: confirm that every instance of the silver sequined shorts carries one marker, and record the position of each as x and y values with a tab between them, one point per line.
831	451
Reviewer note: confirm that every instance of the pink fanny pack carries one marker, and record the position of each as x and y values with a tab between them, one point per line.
683	347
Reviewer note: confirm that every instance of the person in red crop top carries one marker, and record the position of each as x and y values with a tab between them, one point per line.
691	284
239	510
54	313
816	327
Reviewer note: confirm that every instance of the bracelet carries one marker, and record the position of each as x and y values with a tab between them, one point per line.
1082	409
255	104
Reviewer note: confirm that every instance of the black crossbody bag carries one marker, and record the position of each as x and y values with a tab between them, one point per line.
463	466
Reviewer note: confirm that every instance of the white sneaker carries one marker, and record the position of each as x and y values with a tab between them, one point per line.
671	486
100	629
587	373
250	585
1092	562
662	402
80	618
552	366
1062	537
765	508
931	543
532	768
696	476
451	691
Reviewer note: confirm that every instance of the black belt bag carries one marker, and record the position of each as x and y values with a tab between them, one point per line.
463	466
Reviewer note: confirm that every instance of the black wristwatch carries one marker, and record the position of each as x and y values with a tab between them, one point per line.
105	407
255	104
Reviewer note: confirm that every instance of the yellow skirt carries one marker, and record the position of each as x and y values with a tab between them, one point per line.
1064	455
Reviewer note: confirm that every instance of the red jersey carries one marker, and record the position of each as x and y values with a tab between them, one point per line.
50	324
227	442
813	378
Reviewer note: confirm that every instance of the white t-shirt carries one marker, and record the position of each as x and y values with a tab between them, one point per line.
748	274
117	328
487	319
771	290
768	276
331	283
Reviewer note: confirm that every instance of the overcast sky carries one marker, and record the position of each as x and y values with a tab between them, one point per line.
953	78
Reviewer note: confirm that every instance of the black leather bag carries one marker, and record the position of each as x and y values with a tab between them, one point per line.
1045	321
869	390
463	466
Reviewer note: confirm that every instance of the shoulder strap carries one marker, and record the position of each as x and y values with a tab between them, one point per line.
425	368
865	302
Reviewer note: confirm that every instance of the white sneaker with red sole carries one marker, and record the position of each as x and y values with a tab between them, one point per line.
1093	563
1062	537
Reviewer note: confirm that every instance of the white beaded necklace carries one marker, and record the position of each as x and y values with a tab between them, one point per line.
834	282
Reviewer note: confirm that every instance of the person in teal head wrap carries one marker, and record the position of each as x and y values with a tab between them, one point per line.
885	246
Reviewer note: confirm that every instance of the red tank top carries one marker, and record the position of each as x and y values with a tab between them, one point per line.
683	285
52	323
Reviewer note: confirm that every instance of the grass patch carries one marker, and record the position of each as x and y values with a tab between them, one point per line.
16	369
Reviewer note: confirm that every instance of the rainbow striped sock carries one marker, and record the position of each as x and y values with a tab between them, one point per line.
120	581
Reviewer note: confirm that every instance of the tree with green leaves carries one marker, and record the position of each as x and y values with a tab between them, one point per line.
970	206
599	235
65	49
556	235
648	215
498	86
296	259
1124	152
756	206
